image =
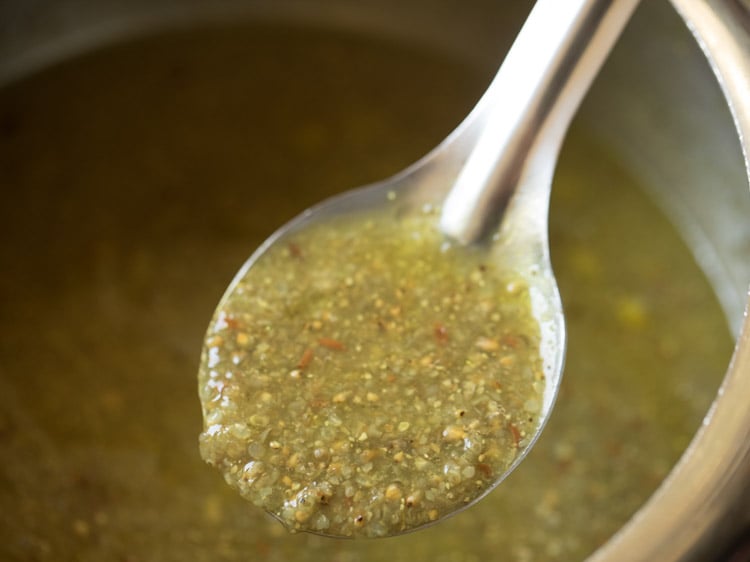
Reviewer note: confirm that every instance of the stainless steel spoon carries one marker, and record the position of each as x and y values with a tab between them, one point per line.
492	176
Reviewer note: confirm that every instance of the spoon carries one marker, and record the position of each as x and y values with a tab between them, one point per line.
491	178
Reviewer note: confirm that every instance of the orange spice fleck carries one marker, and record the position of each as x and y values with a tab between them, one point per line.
516	434
306	358
294	250
485	469
512	341
331	343
441	333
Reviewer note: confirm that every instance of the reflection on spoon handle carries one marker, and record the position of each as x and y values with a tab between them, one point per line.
533	98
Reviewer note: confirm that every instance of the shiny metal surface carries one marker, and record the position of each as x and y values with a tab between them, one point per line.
527	109
706	499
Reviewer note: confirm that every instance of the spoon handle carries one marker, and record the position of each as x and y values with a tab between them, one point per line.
527	108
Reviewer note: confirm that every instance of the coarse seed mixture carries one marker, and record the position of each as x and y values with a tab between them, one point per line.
365	378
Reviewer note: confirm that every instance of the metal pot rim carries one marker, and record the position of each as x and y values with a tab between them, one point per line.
704	501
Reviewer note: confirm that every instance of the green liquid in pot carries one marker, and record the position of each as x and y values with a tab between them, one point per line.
131	195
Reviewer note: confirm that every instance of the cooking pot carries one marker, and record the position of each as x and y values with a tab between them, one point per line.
673	103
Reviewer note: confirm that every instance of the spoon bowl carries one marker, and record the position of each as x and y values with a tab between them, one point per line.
490	184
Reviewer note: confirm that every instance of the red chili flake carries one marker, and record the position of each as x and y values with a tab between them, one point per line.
516	434
306	358
294	250
331	343
512	341
232	323
390	378
441	333
485	469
